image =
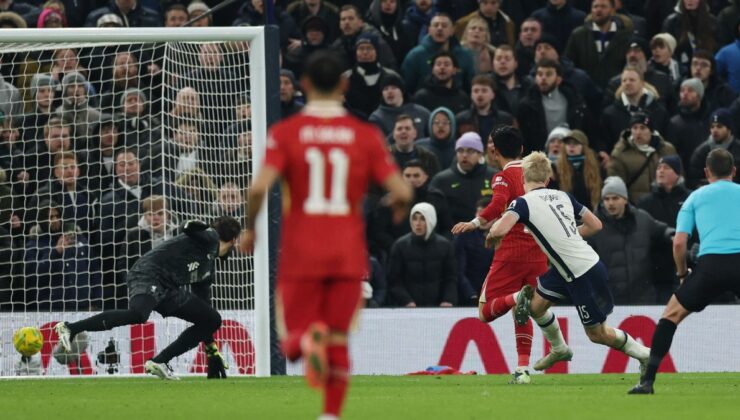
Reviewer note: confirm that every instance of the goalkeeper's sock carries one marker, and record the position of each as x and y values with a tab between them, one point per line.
499	306
336	386
662	339
630	347
551	329
104	321
523	335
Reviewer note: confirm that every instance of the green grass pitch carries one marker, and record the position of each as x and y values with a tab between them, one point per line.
679	396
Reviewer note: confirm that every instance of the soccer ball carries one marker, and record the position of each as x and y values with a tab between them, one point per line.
28	341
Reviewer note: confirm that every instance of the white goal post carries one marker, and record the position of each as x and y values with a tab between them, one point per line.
228	128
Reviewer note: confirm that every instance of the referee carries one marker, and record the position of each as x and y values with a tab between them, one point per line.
707	210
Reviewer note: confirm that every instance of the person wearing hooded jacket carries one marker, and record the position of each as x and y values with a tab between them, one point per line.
422	269
394	102
353	27
364	78
442	130
315	35
11	101
721	136
42	105
387	17
76	107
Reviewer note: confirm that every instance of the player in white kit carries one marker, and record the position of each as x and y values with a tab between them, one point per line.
577	275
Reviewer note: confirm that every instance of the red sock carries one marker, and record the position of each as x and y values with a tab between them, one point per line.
523	335
338	382
498	307
291	346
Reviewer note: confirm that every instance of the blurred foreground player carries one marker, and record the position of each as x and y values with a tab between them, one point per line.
327	158
577	275
518	261
157	282
706	210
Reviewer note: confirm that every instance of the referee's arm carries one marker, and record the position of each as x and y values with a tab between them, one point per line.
680	246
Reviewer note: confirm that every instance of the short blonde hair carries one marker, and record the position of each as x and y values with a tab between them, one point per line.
536	167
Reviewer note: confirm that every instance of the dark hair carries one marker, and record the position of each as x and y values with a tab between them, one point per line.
507	140
442	14
323	70
124	150
550	64
176	6
698	23
404	117
352	7
444	54
414	163
705	55
720	163
485	80
227	228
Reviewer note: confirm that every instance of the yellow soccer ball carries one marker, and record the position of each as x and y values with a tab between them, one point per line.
28	341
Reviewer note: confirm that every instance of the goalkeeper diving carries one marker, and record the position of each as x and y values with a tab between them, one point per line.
158	282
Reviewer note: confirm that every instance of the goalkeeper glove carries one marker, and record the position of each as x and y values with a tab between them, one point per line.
216	363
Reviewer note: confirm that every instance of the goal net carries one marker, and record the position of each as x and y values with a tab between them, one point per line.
112	139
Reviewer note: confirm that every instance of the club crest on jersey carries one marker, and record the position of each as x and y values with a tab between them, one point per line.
193	266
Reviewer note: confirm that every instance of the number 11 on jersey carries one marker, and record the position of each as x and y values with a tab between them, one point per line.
317	203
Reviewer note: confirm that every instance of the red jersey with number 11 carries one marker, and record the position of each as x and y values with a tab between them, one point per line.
328	159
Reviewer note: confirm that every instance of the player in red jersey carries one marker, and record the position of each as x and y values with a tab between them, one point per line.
518	260
327	158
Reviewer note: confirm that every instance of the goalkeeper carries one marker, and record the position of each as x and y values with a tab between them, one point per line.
157	282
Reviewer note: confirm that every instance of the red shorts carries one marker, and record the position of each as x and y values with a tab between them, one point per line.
508	277
300	302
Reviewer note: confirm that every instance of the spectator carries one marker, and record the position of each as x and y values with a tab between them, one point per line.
11	157
352	27
29	13
721	135
578	171
404	149
199	193
198	8
11	101
289	101
598	47
717	93
377	281
109	20
688	128
663	204
252	13
41	102
554	144
62	270
422	268
441	140
12	20
417	176
560	19
186	106
57	138
100	162
387	17
184	151
364	78
625	244
139	128
727	22
65	60
636	155
548	104
130	11
315	35
510	88
175	15
417	65
123	73
302	10
482	116
636	56
632	19
632	96
79	206
155	226
229	202
501	28
464	183
76	106
529	34
441	87
728	61
417	19
662	47
477	41
473	260
693	27
51	17
394	103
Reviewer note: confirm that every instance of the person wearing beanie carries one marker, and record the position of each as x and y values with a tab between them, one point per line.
721	136
43	93
138	126
688	129
198	8
554	143
518	261
636	155
626	245
717	92
364	91
578	170
393	103
467	180
76	108
289	103
314	36
109	20
728	61
422	271
388	18
662	47
352	27
559	18
51	17
442	131
600	44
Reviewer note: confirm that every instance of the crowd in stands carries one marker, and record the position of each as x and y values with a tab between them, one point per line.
626	97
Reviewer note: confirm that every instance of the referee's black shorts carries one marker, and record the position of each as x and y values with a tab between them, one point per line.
714	274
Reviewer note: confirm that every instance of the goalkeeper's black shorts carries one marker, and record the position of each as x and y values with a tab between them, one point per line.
714	275
167	299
